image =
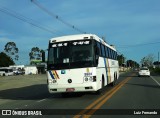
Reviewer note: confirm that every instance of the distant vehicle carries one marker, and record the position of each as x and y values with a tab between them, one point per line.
5	71
144	71
18	69
80	63
135	69
19	72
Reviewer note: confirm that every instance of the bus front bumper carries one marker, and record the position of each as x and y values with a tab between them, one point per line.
85	87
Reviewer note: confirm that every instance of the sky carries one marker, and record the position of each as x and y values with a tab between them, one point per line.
133	26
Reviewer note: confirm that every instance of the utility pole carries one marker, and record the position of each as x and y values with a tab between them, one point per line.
158	60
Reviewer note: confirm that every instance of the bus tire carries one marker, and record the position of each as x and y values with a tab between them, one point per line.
115	78
98	92
102	82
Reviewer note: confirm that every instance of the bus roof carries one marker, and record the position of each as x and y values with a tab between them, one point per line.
7	68
80	37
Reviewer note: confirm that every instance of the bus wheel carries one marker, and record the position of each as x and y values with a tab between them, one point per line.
102	82
3	74
102	86
115	78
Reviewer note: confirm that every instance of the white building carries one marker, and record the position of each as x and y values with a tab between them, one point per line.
30	70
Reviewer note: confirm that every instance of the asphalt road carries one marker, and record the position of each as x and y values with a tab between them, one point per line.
131	96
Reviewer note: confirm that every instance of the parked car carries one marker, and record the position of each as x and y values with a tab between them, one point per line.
144	71
19	71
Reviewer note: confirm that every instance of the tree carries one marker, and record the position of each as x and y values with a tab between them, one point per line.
131	63
147	60
156	63
11	50
35	54
121	59
5	60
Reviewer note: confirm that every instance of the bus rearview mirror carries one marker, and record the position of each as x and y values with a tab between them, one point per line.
43	57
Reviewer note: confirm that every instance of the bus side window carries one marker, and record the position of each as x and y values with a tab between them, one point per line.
111	52
103	50
99	47
107	55
116	56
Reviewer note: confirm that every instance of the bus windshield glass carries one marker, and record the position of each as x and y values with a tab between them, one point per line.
70	54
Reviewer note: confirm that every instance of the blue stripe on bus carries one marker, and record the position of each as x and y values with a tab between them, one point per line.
50	72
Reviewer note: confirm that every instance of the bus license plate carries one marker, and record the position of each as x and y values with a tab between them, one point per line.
70	89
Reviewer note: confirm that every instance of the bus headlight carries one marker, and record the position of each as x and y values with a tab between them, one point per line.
51	81
54	81
91	79
86	79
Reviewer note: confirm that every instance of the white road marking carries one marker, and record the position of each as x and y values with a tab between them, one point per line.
155	80
41	100
26	105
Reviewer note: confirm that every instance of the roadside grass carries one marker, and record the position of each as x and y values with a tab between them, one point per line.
155	71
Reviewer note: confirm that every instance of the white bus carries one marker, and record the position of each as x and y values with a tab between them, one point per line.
6	71
80	63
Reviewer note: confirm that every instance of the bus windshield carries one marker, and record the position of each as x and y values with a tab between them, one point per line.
70	54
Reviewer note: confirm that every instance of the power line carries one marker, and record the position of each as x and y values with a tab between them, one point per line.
57	17
137	45
27	20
